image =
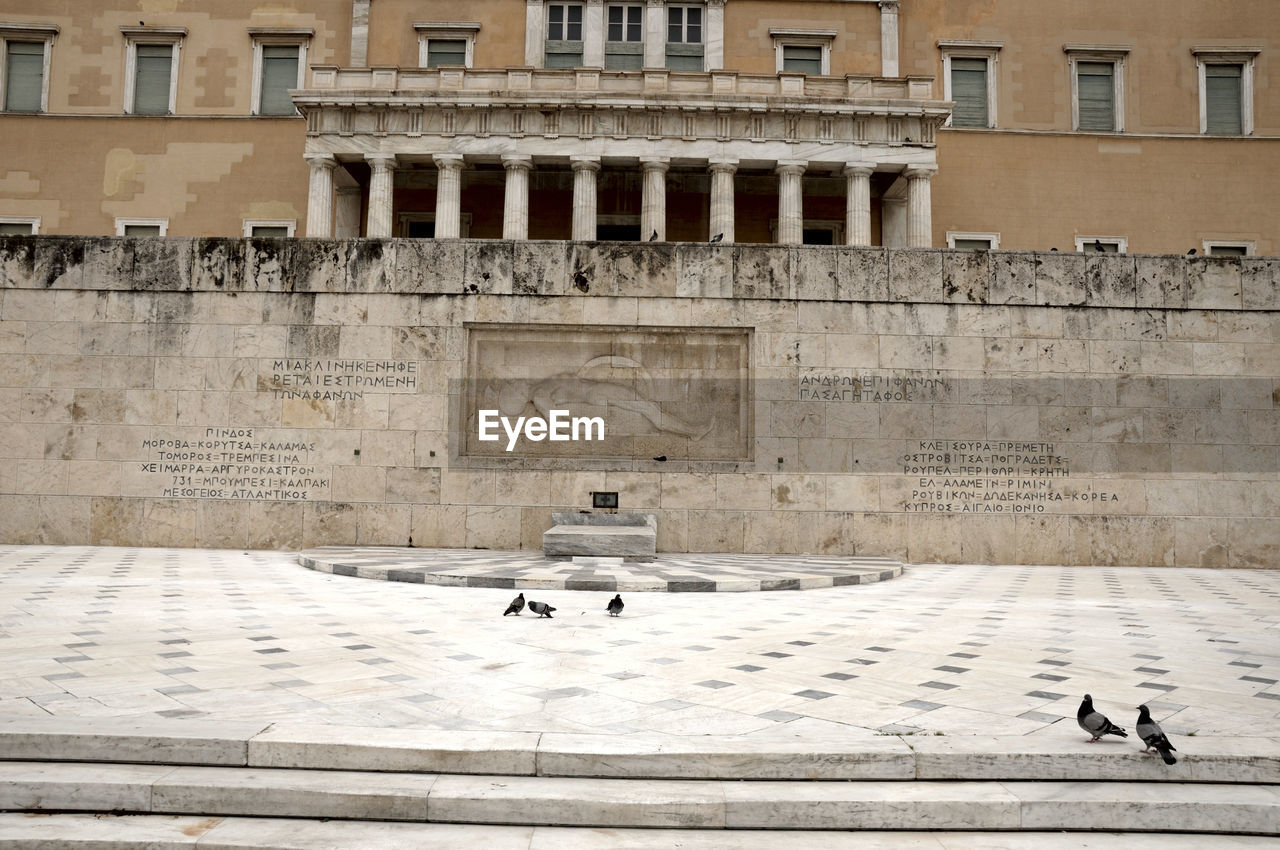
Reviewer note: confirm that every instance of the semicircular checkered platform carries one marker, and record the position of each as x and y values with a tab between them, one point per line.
711	573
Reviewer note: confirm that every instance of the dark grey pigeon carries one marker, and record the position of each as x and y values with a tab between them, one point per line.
542	609
516	606
1153	736
615	605
1095	722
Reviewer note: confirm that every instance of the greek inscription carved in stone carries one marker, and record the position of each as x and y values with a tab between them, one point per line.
234	463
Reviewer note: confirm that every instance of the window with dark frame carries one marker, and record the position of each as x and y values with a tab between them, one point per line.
1096	95
969	92
24	76
152	79
564	35
1224	98
279	75
684	38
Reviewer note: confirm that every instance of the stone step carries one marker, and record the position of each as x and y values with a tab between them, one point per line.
1057	755
639	803
174	832
629	542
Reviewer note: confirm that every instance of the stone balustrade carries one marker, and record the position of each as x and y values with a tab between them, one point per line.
328	81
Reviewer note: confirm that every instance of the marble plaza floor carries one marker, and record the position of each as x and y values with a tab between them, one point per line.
953	650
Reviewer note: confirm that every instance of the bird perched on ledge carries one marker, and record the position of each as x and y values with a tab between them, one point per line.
615	605
516	606
1095	722
1153	736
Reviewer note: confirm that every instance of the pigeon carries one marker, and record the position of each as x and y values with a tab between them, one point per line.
516	606
661	458
716	238
1097	245
542	609
1191	253
1151	734
1095	722
615	605
654	237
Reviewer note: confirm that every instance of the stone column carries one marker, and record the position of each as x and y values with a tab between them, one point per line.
655	34
713	35
722	171
857	205
383	166
584	197
790	202
535	33
515	208
919	206
888	38
346	215
320	195
593	34
653	198
449	195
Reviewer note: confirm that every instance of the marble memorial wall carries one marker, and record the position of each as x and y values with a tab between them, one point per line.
1007	407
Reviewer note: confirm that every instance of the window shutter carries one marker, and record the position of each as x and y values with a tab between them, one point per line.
799	58
24	76
279	74
1222	85
446	52
969	91
1095	84
152	77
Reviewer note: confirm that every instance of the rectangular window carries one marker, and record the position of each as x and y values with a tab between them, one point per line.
269	232
279	74
153	79
1102	244
24	76
446	51
684	24
624	42
446	43
564	35
269	228
1216	248
626	24
802	58
684	38
1223	92
564	22
1096	89
18	226
969	91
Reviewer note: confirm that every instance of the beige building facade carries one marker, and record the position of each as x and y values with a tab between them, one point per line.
1023	126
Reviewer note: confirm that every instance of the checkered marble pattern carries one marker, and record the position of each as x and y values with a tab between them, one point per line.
955	650
531	571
